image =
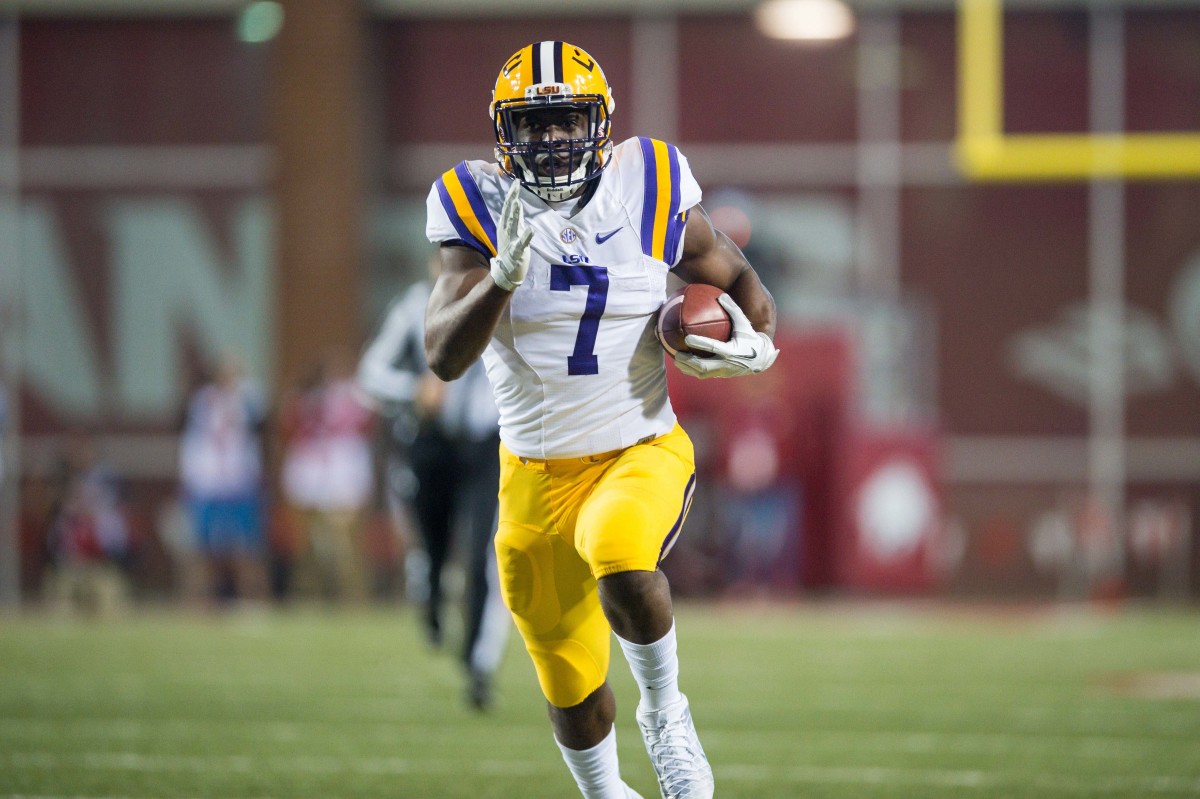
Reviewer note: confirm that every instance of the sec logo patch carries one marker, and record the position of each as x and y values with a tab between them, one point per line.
568	235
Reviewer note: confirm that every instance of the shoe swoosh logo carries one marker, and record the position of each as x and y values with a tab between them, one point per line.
603	237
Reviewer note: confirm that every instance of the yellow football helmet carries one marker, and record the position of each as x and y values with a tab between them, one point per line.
558	75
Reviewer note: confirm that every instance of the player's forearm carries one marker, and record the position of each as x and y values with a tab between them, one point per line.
457	331
755	301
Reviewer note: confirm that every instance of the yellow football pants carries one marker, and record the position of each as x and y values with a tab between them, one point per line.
565	523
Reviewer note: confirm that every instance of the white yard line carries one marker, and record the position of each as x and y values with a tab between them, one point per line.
77	796
734	772
1089	744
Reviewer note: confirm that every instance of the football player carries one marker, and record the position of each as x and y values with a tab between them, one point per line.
554	263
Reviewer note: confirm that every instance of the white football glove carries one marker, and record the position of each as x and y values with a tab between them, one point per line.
747	351
511	263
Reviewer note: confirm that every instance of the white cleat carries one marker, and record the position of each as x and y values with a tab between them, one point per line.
674	748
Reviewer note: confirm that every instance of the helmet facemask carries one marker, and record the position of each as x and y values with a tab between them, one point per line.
554	169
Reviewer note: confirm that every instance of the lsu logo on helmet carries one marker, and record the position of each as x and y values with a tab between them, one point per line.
544	75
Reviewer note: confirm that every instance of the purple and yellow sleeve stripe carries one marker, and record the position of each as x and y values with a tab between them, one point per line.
662	222
468	212
673	536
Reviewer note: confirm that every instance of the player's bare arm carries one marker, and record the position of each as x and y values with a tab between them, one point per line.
464	308
709	256
471	293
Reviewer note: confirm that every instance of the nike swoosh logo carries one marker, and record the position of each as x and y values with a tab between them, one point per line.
603	237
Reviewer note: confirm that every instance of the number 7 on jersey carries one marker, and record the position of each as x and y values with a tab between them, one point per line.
562	277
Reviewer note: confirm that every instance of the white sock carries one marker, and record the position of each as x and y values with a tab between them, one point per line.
596	770
656	668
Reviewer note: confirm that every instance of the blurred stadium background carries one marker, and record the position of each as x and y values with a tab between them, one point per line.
979	222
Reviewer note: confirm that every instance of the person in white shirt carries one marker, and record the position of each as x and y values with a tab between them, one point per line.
442	463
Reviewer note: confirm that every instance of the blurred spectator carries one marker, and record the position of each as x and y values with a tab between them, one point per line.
221	474
327	477
388	374
444	464
749	447
88	542
760	509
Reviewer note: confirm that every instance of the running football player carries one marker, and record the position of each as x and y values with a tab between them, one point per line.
554	262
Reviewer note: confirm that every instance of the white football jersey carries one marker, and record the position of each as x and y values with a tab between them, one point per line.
574	363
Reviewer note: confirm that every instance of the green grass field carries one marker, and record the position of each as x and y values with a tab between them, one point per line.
830	701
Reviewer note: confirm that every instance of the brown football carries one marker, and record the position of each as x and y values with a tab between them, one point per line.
693	310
